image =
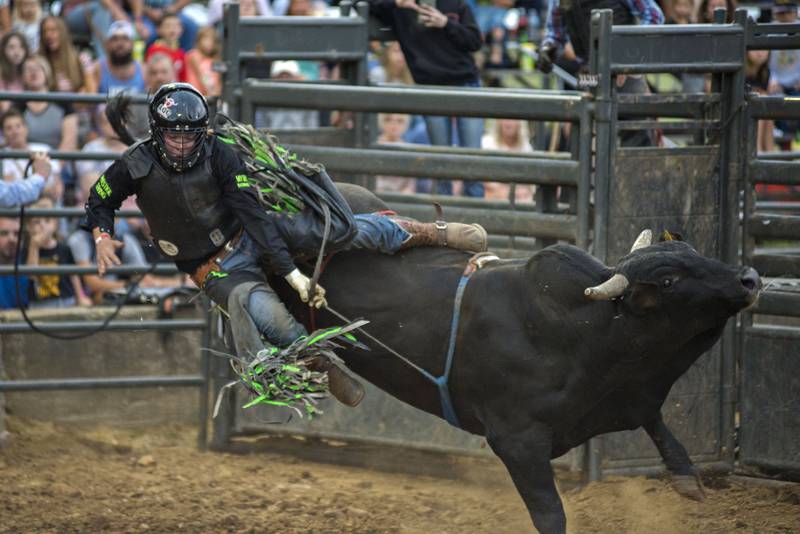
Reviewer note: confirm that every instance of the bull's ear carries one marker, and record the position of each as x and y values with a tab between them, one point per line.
644	297
666	235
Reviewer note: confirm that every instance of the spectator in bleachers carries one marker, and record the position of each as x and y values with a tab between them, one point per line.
441	54
18	192
44	246
248	8
26	17
72	73
508	135
392	67
118	71
756	69
168	43
307	8
565	22
393	126
15	133
13	53
156	10
784	66
90	170
9	235
278	118
54	124
705	10
200	63
94	18
681	12
5	16
159	70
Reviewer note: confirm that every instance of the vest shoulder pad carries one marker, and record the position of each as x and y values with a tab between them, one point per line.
138	159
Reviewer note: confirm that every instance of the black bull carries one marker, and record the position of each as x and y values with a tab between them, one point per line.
539	366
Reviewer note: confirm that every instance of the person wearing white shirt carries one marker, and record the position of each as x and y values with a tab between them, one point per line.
15	133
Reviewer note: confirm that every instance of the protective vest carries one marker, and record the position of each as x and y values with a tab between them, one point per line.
187	217
577	16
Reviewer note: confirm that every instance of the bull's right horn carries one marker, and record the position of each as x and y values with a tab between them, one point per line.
611	288
644	240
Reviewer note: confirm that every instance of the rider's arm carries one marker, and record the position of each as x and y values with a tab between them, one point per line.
105	197
259	225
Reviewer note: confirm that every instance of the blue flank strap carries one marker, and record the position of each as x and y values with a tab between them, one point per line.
441	382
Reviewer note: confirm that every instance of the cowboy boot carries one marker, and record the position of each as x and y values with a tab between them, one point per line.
468	237
344	387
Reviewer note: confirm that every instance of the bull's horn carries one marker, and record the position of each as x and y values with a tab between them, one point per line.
611	288
644	240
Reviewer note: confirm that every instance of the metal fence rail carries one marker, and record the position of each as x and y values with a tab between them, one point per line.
200	380
770	352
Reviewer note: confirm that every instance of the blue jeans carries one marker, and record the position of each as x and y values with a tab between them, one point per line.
78	22
269	314
470	131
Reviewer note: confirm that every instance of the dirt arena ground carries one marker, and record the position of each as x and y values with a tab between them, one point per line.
63	480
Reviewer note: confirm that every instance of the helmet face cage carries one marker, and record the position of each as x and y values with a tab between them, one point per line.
179	111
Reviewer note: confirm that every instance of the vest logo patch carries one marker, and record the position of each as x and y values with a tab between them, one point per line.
102	188
217	237
242	181
170	249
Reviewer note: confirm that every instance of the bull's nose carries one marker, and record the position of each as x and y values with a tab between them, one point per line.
750	279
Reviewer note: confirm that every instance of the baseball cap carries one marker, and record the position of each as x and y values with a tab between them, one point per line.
285	67
120	27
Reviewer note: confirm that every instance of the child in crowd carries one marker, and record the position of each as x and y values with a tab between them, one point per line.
26	16
508	135
45	248
13	53
393	126
200	62
681	12
72	73
169	33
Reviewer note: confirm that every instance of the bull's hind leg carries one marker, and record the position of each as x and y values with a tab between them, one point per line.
685	476
526	455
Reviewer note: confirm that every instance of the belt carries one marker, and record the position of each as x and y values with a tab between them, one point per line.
200	274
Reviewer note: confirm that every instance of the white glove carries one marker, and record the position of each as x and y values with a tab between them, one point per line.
302	284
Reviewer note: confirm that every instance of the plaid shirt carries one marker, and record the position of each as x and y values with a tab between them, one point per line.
646	12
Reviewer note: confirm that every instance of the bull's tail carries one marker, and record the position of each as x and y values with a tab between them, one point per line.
118	112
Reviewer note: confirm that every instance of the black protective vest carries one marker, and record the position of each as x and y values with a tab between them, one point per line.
577	17
187	217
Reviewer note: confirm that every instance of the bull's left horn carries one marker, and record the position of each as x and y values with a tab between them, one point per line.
611	288
644	240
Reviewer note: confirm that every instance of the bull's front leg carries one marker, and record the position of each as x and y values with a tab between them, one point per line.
526	455
685	476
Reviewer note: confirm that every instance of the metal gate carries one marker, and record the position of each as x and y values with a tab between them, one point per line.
769	362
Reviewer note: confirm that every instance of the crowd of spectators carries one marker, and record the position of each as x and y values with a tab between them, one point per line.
111	46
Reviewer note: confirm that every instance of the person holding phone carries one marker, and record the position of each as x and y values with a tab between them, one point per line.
438	38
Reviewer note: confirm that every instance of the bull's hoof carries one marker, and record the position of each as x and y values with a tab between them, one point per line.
689	486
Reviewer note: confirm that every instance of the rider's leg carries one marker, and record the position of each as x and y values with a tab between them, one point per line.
389	235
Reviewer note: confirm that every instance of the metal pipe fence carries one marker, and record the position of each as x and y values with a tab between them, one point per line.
199	380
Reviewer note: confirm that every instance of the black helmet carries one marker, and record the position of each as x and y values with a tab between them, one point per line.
179	108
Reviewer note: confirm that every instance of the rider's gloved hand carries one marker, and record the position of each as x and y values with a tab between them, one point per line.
302	284
547	56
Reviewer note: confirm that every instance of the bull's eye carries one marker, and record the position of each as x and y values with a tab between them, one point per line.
666	282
